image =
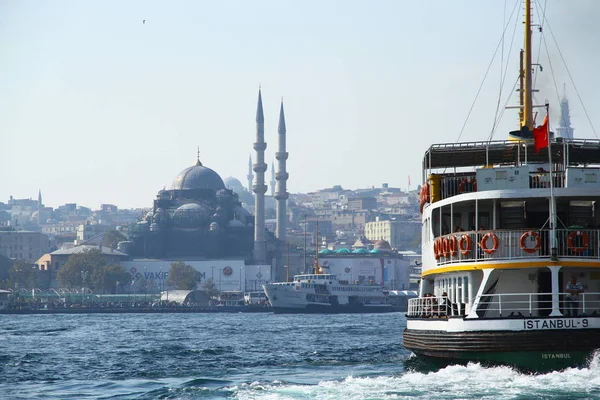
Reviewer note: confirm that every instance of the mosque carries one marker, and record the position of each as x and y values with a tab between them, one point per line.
198	216
202	217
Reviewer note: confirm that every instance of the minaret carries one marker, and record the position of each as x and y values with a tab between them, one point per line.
564	129
273	179
260	242
282	176
39	206
250	176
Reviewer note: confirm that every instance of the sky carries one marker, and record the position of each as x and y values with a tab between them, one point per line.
97	107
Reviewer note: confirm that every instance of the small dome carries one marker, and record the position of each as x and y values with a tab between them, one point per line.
191	214
374	251
232	183
382	245
326	251
198	177
360	251
343	251
234	223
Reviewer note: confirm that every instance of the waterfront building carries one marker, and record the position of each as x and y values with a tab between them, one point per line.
23	245
399	233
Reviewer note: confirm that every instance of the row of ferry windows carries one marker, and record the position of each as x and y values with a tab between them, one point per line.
341	289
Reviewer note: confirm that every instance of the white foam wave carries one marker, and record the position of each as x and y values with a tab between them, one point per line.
472	381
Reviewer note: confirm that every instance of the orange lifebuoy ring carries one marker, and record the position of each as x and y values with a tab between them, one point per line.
452	245
464	244
436	254
584	244
538	242
474	184
461	186
483	243
445	247
426	197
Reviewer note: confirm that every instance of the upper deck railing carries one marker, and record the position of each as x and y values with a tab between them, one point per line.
467	183
505	305
515	244
508	152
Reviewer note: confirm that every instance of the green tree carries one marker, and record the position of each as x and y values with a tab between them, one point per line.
182	276
22	274
111	274
210	288
86	266
112	238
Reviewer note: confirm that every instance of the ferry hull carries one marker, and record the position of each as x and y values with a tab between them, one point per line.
539	351
339	309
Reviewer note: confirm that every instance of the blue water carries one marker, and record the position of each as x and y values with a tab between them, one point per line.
246	356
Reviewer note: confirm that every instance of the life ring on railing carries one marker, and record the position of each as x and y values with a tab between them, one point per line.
464	244
461	186
538	242
584	244
445	247
426	197
483	243
436	249
452	245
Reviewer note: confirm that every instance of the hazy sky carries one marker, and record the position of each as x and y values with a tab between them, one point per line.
96	107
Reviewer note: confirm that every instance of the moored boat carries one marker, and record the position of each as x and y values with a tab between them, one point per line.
521	285
324	293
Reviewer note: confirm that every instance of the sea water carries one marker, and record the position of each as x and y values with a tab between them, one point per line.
247	356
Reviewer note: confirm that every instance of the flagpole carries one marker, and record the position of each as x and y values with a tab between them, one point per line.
554	248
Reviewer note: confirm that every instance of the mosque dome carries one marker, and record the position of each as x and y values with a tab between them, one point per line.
198	177
190	214
343	250
234	184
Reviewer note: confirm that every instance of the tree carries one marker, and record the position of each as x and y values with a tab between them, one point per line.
22	274
111	274
210	288
112	238
182	276
83	269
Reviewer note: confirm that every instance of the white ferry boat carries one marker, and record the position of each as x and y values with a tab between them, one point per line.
324	293
521	285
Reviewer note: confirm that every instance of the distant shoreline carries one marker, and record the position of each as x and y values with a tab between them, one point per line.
144	310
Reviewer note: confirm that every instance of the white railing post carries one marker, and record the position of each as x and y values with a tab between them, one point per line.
500	304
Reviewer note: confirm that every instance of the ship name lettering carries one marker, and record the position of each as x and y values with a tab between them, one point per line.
555	324
547	356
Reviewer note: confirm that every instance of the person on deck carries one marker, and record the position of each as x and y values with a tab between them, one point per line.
573	288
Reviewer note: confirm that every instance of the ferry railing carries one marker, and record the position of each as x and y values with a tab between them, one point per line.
506	305
516	244
467	183
536	304
431	306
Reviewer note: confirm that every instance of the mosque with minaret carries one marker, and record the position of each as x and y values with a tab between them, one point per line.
203	217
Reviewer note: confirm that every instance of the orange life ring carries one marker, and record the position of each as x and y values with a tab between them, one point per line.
483	243
584	244
452	245
436	249
464	244
445	247
538	242
474	184
461	186
425	193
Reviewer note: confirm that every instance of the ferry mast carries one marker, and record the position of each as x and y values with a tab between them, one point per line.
526	115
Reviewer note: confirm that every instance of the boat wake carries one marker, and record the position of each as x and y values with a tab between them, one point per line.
471	381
